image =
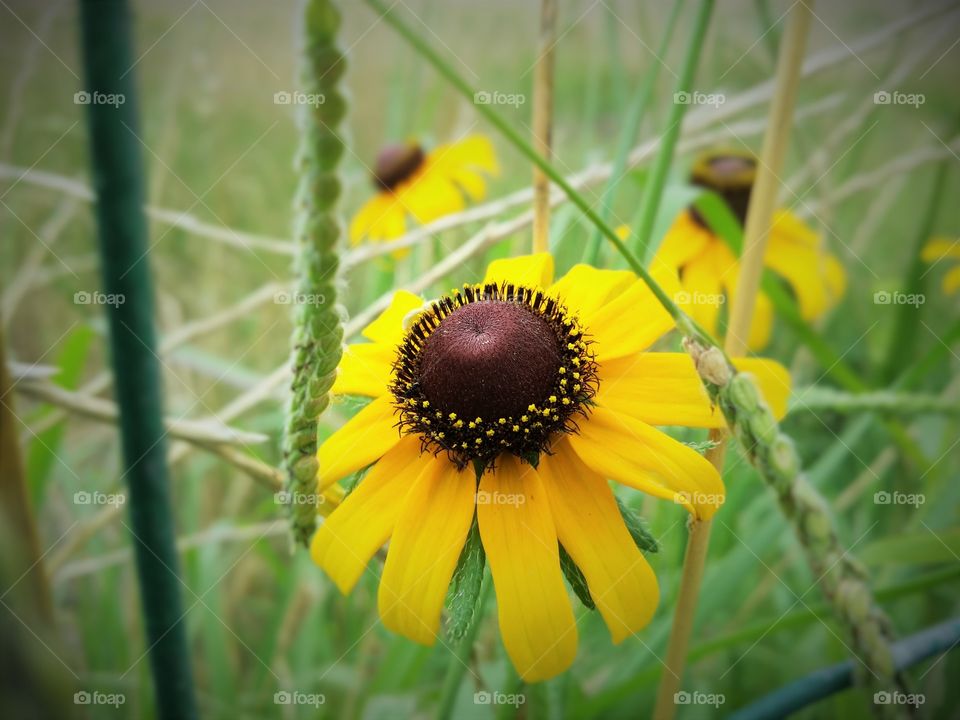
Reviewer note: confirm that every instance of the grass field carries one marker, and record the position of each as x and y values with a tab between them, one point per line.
872	165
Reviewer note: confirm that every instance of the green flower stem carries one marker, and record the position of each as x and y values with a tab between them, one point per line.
653	189
631	128
318	327
124	255
457	667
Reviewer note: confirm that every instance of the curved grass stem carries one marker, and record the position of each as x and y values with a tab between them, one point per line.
543	122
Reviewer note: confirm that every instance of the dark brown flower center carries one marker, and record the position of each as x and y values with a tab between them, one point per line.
489	359
396	163
729	175
493	369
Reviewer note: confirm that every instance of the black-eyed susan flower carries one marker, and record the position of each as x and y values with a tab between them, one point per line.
709	269
423	185
514	400
944	249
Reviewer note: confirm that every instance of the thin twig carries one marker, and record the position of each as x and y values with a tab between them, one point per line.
196	431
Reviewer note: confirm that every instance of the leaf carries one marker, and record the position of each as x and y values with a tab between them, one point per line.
464	593
721	220
637	529
42	452
921	548
576	579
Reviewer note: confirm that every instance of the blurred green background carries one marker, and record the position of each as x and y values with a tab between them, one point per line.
219	156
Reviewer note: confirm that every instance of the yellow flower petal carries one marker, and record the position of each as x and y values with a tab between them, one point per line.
761	325
789	226
345	542
380	218
518	533
470	181
592	531
364	370
584	289
634	319
702	280
635	454
941	248
530	270
951	281
364	439
424	549
806	269
430	196
684	241
387	329
474	151
664	389
836	276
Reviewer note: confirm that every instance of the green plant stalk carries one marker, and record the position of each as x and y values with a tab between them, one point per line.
748	417
842	579
318	328
631	128
124	254
653	189
907	325
885	401
455	670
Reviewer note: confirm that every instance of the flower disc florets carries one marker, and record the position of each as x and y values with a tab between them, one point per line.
492	369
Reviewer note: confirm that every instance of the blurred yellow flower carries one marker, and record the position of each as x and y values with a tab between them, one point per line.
944	249
422	185
708	268
513	401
